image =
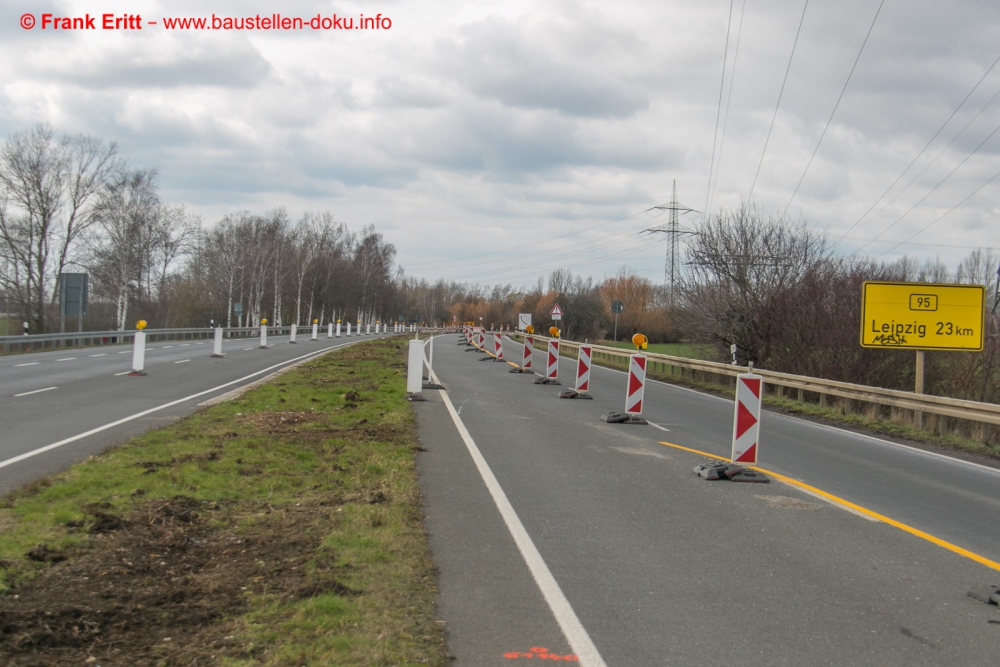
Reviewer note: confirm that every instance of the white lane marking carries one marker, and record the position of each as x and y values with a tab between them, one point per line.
182	361
66	359
102	354
125	373
32	363
247	348
185	344
662	428
123	420
166	346
567	619
37	391
199	343
127	352
832	502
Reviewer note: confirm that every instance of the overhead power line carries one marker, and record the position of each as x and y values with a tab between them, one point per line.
835	106
780	93
939	218
718	110
931	191
922	151
713	184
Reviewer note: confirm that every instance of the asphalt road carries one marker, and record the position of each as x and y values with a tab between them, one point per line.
49	397
661	567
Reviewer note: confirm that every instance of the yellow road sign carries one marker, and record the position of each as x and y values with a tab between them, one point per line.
922	316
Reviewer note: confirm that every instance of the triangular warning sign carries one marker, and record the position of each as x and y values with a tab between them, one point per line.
744	420
633	384
749	456
556	310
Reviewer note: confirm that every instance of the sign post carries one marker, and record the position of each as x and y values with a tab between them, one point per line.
616	308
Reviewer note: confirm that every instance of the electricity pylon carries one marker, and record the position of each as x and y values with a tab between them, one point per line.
674	232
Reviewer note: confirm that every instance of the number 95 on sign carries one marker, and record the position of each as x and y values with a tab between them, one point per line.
922	316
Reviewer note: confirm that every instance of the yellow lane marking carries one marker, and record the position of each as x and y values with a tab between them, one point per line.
982	560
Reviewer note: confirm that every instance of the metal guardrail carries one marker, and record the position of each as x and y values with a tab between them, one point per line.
54	341
919	404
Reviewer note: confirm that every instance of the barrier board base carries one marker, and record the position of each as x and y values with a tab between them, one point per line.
415	398
541	380
218	356
573	393
518	369
137	374
623	418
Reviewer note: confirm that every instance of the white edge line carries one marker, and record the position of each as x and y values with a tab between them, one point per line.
30	363
831	502
79	436
873	438
37	391
567	619
182	361
123	373
662	428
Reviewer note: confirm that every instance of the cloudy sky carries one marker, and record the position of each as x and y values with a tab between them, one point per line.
496	141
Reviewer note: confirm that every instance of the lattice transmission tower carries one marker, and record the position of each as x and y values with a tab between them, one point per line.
673	231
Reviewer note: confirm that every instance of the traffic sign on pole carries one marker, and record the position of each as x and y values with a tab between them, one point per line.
556	312
746	421
922	316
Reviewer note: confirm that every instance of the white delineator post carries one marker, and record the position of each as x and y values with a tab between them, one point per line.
746	420
263	336
583	368
315	331
329	330
291	333
415	367
338	328
368	328
552	367
497	347
217	350
348	329
139	354
636	384
529	352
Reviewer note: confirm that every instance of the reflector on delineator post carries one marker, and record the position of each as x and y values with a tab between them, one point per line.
583	357
551	365
633	394
746	420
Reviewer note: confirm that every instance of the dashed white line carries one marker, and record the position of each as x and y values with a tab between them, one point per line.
66	359
102	354
125	373
166	346
247	348
32	363
185	344
37	391
129	352
182	361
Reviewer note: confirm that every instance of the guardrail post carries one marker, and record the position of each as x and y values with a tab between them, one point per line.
217	350
139	354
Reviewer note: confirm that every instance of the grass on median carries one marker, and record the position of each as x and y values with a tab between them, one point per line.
281	528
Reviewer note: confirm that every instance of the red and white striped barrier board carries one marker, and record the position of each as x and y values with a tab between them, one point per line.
528	353
636	384
552	367
746	421
583	368
498	347
482	341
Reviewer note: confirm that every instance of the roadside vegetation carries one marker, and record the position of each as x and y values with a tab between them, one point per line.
283	527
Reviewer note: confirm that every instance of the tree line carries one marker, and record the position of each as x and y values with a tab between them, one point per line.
71	203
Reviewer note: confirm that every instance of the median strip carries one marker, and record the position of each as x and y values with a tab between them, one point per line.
281	527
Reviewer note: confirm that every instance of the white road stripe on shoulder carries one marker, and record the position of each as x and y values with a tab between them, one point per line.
30	363
567	619
37	391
